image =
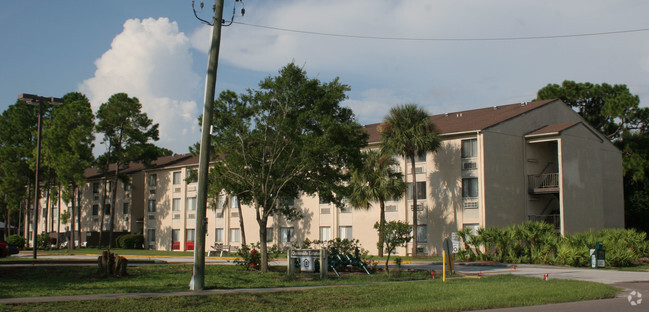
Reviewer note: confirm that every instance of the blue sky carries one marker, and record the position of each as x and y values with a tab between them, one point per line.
156	51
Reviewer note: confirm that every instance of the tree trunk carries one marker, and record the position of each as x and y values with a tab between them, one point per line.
112	206
381	225
58	220
102	215
78	216
243	231
72	215
414	205
263	244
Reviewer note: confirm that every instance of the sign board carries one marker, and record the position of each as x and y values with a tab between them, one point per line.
306	253
456	242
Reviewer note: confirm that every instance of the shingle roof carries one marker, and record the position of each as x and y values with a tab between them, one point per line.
470	120
93	173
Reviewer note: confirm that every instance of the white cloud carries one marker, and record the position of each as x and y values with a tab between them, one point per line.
151	60
443	76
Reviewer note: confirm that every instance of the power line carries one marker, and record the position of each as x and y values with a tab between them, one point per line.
616	32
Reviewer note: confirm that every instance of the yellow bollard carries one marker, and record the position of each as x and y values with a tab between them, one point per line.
444	265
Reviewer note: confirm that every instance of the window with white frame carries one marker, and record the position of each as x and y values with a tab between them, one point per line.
175	204
469	187
286	234
176	177
325	233
150	236
153	180
234	201
191	203
420	190
469	148
422	233
235	235
345	232
218	235
420	158
151	205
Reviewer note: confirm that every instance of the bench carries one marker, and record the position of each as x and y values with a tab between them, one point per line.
219	249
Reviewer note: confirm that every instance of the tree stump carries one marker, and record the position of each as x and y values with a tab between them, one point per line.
111	264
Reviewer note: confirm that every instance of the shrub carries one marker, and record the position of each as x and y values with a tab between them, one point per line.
250	257
17	240
130	241
44	241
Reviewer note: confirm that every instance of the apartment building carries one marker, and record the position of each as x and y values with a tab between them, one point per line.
496	166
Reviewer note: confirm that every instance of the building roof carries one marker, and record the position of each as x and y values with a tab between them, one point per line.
133	167
470	120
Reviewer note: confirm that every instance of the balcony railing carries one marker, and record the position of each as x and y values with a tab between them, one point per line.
554	219
544	183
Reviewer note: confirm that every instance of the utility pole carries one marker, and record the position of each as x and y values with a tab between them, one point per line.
198	278
31	99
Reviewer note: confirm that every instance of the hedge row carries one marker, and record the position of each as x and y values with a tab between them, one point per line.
538	243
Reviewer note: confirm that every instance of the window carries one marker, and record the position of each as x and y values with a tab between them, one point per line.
218	235
235	235
345	232
175	204
109	186
95	187
469	148
107	209
469	187
191	203
287	202
175	239
420	158
421	190
125	208
44	213
176	178
325	233
95	210
189	235
422	233
127	187
234	201
193	176
269	235
150	236
286	234
151	205
153	180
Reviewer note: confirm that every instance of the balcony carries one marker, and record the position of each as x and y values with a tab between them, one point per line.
547	183
554	219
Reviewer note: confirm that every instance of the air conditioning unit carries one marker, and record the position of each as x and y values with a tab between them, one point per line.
325	211
176	216
234	214
391	208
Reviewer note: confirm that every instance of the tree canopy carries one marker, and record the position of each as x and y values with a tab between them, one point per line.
128	133
290	137
408	131
376	181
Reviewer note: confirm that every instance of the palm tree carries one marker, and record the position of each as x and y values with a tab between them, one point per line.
376	181
408	131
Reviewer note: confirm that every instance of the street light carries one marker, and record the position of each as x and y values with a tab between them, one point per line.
35	100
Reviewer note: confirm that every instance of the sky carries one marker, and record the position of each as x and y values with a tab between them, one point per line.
444	55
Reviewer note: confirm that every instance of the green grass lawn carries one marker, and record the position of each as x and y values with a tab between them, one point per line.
430	295
76	280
